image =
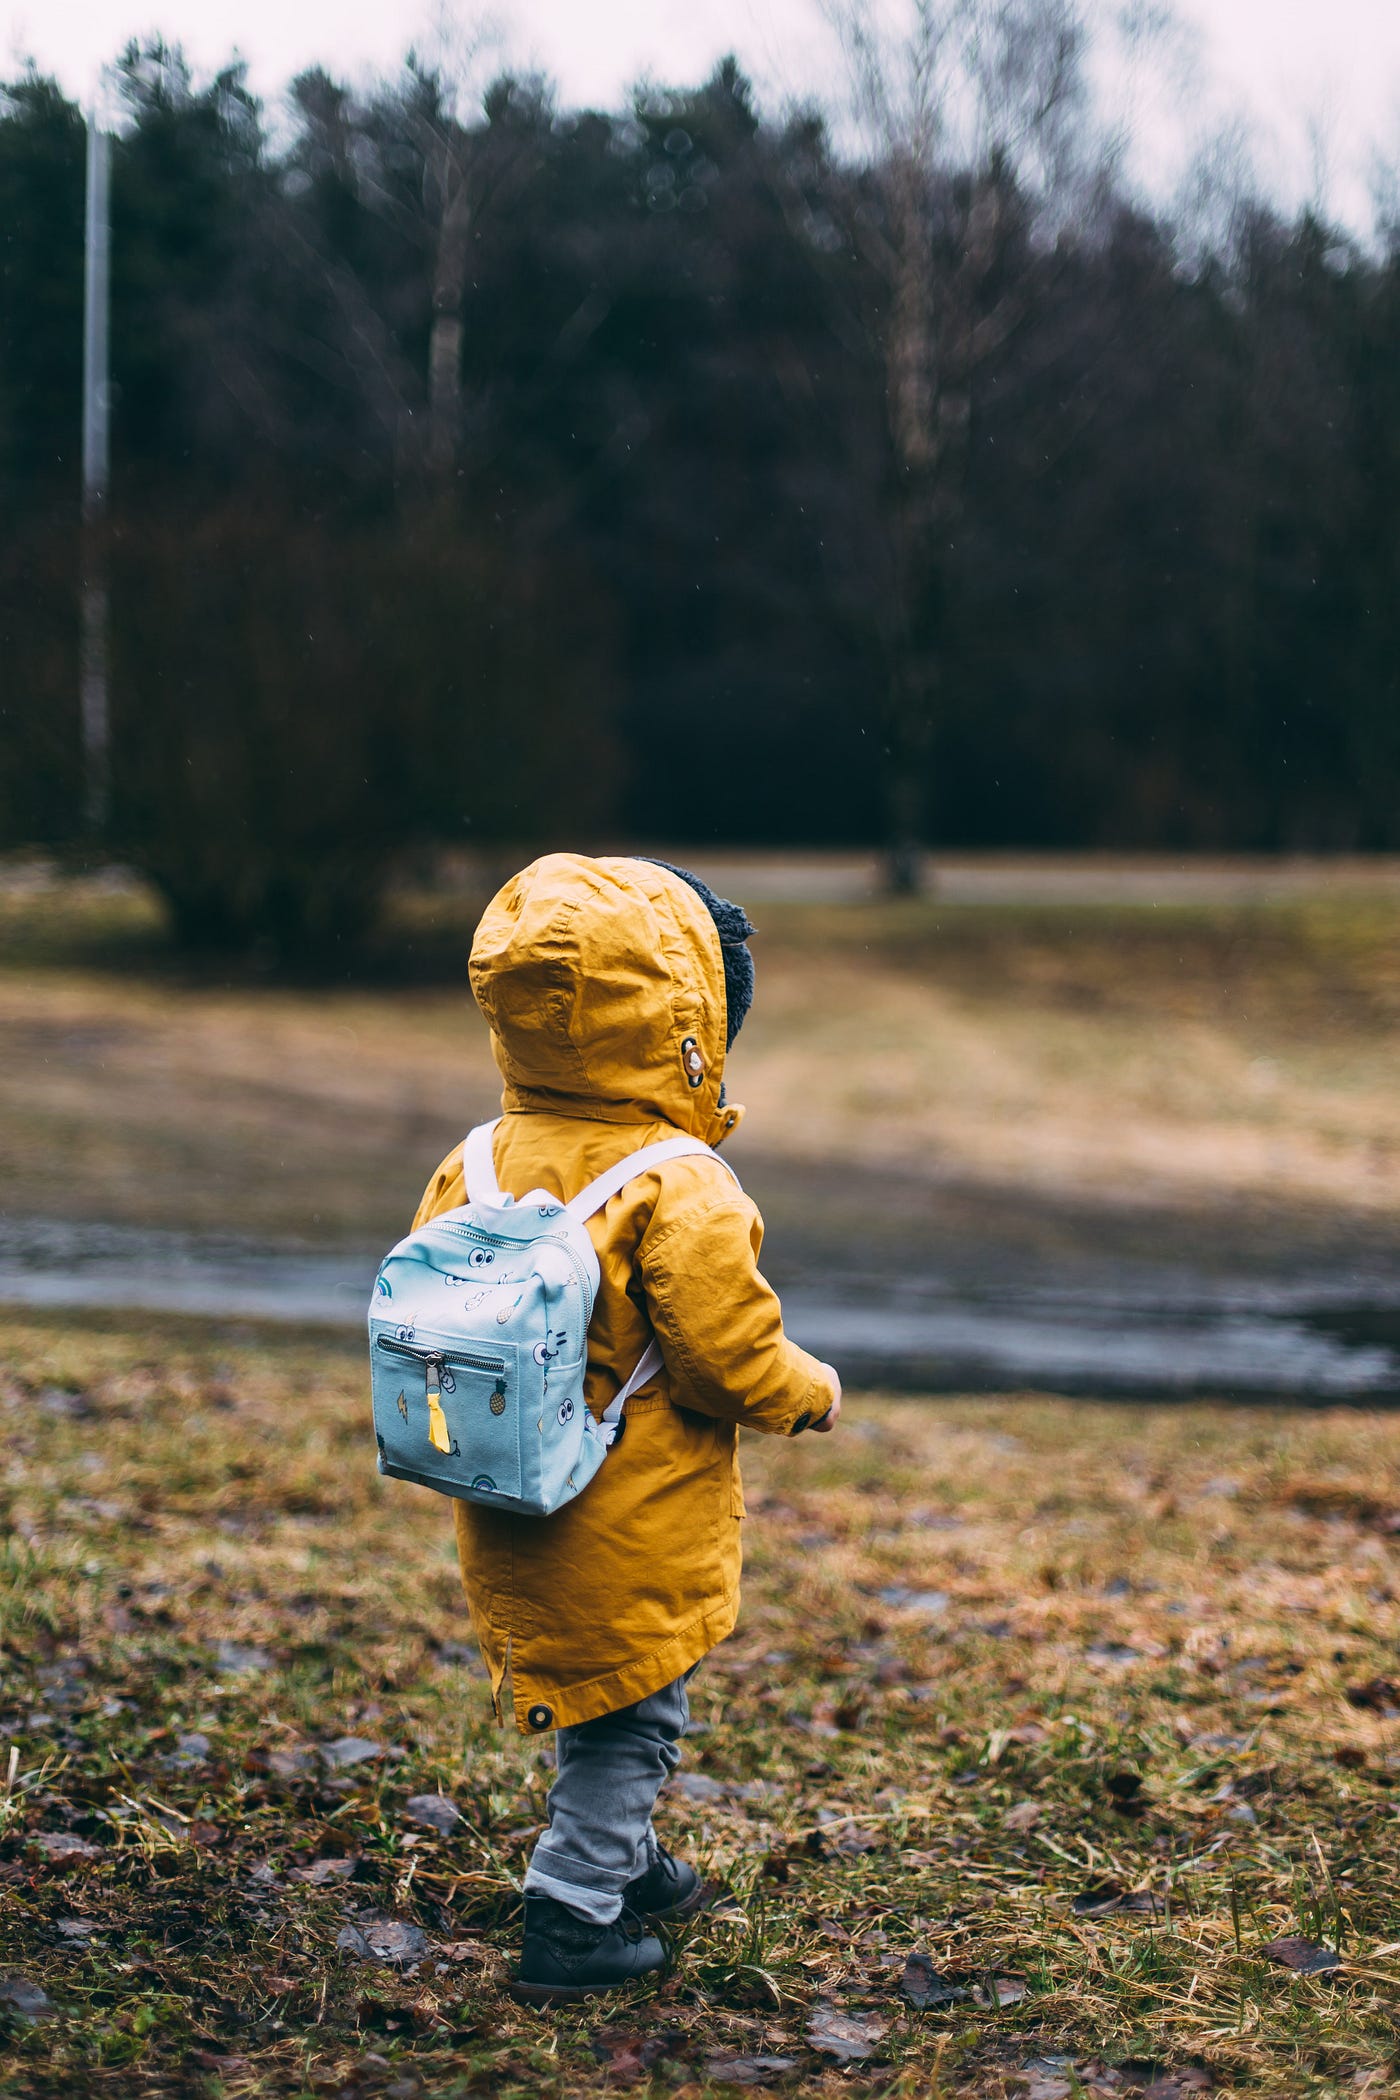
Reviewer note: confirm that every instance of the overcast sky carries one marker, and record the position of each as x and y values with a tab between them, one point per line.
1317	81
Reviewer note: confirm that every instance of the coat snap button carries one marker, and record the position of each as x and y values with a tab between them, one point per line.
540	1718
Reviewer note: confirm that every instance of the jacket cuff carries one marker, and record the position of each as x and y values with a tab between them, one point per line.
818	1399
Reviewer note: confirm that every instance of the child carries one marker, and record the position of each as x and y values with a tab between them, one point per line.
613	989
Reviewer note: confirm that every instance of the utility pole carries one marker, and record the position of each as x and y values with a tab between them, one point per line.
96	719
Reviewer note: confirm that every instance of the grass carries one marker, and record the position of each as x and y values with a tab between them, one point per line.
998	1659
1212	1053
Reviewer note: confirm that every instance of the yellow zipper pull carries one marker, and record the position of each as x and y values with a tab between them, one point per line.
438	1435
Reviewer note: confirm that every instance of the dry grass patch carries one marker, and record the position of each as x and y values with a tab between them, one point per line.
1045	1723
1216	1051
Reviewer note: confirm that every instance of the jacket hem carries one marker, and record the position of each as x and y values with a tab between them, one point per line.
636	1680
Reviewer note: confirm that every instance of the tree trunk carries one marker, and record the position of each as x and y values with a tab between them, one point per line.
445	338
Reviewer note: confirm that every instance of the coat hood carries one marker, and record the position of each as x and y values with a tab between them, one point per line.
603	983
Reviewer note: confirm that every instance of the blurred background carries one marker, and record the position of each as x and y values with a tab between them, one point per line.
935	468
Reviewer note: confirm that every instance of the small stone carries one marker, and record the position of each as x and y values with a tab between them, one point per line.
351	1750
241	1659
930	1604
697	1786
61	1847
434	1811
390	1940
26	2000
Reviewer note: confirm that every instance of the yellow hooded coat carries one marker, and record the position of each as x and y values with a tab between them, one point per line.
593	975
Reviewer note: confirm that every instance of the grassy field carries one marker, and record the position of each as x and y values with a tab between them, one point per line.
1046	1720
1045	1723
1209	1053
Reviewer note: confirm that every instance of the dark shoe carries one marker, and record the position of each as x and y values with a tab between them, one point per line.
566	1956
670	1889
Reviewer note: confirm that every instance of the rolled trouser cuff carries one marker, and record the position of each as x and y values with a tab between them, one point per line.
583	1888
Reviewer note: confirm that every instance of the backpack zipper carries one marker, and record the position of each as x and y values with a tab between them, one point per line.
438	1357
435	1377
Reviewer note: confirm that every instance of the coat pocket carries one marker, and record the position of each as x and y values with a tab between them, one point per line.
727	1434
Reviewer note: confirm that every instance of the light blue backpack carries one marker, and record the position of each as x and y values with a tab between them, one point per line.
478	1340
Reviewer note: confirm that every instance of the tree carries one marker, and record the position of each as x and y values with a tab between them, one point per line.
977	117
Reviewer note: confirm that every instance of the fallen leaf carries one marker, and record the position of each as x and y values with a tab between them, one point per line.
1379	1695
850	2038
290	1764
627	2057
321	1871
1001	1990
748	2070
1024	1816
383	1939
24	1999
1103	1897
927	1987
434	1811
1177	2085
1304	1956
76	1929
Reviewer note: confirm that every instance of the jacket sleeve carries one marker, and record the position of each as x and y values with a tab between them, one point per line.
719	1323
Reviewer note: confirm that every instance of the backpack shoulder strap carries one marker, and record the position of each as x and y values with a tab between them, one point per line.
604	1186
479	1166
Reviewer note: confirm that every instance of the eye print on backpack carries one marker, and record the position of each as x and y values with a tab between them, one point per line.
566	1412
481	1258
543	1353
403	1334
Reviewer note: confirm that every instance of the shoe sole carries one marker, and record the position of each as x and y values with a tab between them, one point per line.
571	1993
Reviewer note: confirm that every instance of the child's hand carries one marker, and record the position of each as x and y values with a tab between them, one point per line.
829	1420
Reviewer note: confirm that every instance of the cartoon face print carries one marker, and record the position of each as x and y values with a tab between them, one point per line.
480	1258
566	1412
403	1334
543	1353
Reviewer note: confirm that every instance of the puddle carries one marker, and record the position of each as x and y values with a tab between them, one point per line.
1169	1332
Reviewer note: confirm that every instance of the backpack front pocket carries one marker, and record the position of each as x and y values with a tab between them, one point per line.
448	1417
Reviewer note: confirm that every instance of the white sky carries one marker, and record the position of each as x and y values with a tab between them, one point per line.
1304	75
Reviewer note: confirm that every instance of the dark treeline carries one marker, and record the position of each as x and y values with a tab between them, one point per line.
666	474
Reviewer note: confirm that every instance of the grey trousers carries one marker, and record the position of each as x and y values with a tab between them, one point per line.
610	1772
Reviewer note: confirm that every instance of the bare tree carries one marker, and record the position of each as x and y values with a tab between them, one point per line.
978	129
433	159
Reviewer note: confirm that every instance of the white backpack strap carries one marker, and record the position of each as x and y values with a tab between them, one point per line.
592	1199
479	1166
605	1186
612	1413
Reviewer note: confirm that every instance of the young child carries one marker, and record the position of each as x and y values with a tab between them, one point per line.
613	989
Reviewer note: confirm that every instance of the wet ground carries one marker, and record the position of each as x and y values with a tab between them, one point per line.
907	1284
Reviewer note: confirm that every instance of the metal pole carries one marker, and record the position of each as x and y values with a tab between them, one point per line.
96	724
